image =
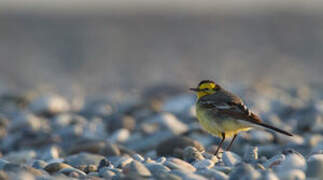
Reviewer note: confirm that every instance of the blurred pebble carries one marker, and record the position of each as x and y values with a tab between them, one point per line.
136	168
3	163
274	161
97	147
28	122
292	174
20	157
106	173
39	164
70	171
225	169
15	168
83	159
213	174
269	175
49	104
203	164
122	161
192	154
187	175
138	157
175	146
260	137
175	163
315	166
230	158
50	153
3	175
251	154
292	160
55	167
244	171
120	135
178	104
157	169
171	123
124	122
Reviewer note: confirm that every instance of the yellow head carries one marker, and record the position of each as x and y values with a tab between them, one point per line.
205	87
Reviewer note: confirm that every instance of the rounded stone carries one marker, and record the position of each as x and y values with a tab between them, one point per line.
203	164
83	159
230	158
192	154
244	171
136	168
291	174
175	146
55	167
315	166
175	163
49	104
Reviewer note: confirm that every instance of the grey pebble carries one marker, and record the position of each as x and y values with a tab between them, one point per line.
3	163
138	157
213	174
225	169
157	169
292	174
106	172
56	166
251	154
244	171
275	160
49	104
192	154
171	123
175	163
136	168
315	166
187	175
51	152
120	136
269	175
83	159
203	164
39	164
293	160
122	161
19	157
230	158
72	172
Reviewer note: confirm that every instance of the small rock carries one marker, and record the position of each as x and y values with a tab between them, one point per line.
224	169
50	153
203	164
105	163
49	104
122	161
175	146
251	154
293	160
315	166
178	104
138	157
39	164
120	135
171	123
244	171
274	161
187	175
3	163
125	122
106	173
269	175
175	163
261	137
83	159
230	158
55	167
26	121
192	154
291	174
213	174
211	157
20	156
20	175
104	148
14	168
73	172
136	168
157	169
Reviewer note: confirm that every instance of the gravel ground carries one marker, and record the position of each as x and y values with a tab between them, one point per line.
47	136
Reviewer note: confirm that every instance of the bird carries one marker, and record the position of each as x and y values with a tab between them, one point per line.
224	114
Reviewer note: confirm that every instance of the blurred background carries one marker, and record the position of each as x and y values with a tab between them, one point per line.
100	46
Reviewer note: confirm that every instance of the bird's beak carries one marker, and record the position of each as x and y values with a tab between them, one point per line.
195	89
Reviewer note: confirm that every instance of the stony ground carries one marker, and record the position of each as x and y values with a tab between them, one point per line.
47	136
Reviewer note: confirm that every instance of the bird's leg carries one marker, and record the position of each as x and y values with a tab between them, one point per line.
234	137
220	145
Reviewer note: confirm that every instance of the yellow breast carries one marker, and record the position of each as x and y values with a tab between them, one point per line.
217	126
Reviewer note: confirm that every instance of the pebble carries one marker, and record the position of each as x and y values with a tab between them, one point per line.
124	122
230	158
3	163
138	157
20	157
15	168
83	159
175	163
50	153
213	174
157	169
106	173
269	175
292	160
315	166
192	154
136	168
49	104
122	161
70	171
291	174
55	167
171	123
104	148
187	175
274	161
251	154
203	164
120	136
175	146
244	171
39	164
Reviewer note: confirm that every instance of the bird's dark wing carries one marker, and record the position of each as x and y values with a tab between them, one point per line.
230	105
